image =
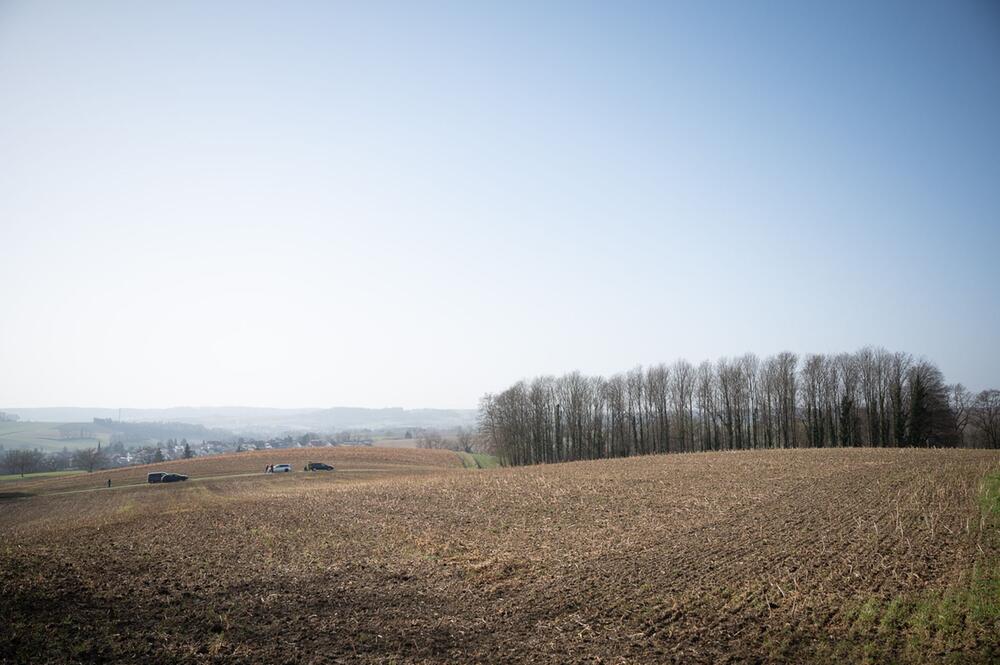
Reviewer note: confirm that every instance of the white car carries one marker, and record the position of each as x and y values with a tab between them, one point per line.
281	468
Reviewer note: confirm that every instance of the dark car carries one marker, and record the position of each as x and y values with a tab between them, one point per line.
156	477
318	466
173	477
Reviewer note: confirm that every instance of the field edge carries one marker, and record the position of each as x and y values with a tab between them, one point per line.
948	624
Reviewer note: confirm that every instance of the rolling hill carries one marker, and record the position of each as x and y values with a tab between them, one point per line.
885	555
240	419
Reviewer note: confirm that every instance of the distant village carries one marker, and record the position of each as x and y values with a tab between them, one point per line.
172	449
128	449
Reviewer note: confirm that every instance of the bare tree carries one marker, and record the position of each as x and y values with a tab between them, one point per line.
986	416
749	367
930	421
787	377
464	437
960	400
634	394
872	392
872	397
23	461
898	368
812	396
708	413
88	459
430	439
769	407
850	407
658	406
682	386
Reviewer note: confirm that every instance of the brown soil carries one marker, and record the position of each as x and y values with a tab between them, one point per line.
344	458
701	558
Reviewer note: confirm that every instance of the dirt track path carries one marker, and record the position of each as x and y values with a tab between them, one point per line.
333	475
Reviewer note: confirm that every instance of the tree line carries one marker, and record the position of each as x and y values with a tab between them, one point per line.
462	439
872	397
23	461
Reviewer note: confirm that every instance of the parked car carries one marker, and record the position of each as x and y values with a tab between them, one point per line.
281	468
318	466
173	477
155	477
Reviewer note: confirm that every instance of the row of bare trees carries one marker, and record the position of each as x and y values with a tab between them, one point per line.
462	439
23	461
869	398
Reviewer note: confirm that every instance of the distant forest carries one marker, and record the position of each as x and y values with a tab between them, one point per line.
869	398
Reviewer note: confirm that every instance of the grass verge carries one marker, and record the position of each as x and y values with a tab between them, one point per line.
40	474
479	461
959	624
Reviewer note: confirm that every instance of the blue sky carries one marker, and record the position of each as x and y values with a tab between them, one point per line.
309	204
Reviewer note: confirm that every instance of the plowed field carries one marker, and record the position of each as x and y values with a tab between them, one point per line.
375	462
771	556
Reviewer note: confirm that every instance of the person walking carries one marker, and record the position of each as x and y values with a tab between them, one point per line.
109	483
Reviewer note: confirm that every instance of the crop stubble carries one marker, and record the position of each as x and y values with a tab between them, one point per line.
716	557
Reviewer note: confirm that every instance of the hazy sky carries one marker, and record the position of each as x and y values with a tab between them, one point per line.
317	204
